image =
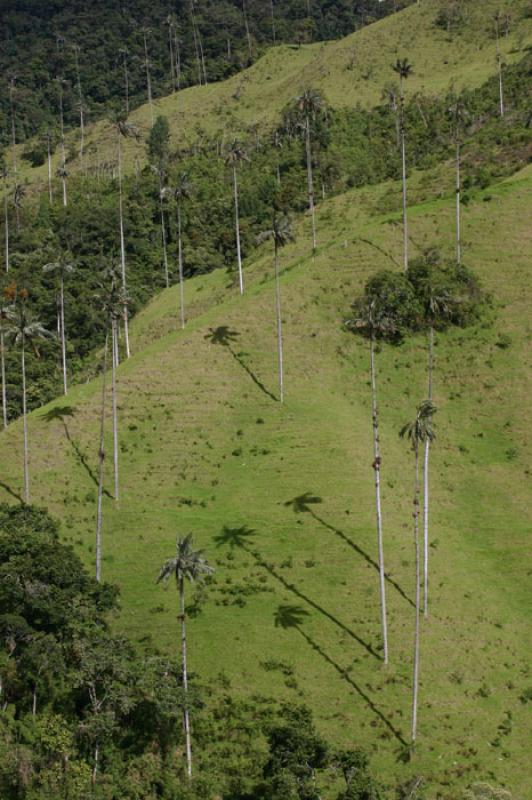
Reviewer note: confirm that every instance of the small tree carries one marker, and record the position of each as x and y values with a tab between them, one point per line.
187	564
403	69
417	432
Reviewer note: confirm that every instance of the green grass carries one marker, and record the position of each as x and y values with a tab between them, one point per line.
204	447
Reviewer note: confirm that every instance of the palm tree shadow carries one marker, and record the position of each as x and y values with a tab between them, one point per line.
287	617
10	491
61	413
226	337
302	504
240	537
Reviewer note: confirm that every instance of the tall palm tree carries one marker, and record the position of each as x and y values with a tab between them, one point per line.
62	267
23	330
124	130
160	172
62	170
499	62
375	324
101	464
404	70
5	175
4	318
237	155
180	192
187	564
458	113
417	432
76	50
309	104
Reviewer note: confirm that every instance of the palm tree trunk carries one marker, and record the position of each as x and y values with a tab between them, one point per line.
122	244
403	170
171	47
34	702
25	424
237	227
426	487
274	38
126	84
50	190
163	235
96	763
177	61
63	335
180	266
81	114
415	685
377	471
6	227
246	25
148	78
499	68
458	188
114	363
195	36
101	460
310	183
63	155
186	717
3	370
279	324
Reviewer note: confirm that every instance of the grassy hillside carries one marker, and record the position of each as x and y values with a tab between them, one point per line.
348	72
205	448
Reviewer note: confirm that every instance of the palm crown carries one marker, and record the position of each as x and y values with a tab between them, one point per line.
187	563
403	68
420	429
235	153
310	102
63	265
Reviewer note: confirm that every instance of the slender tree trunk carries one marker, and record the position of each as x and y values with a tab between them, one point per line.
6	227
3	370
148	78
81	114
163	235
458	190
63	334
499	67
50	189
101	462
415	686
310	183
177	61
25	424
122	245
114	339
126	84
171	48
279	323
426	485
248	36
186	717
34	702
274	37
204	68
180	266
96	763
196	48
62	137
403	165
377	472
237	228
13	128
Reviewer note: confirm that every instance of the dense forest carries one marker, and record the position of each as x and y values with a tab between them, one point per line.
94	50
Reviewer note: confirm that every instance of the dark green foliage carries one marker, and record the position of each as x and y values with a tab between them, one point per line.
159	142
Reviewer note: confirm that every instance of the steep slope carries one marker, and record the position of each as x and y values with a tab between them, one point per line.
206	448
350	71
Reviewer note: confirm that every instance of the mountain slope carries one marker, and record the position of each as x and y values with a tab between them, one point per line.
205	447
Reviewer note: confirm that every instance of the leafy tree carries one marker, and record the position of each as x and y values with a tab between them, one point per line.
187	564
403	69
418	432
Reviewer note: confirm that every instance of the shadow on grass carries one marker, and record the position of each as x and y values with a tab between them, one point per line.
61	414
240	537
226	337
303	505
287	617
12	492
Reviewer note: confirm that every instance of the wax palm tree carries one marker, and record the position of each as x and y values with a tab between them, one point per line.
76	50
417	432
187	564
23	330
4	320
403	69
160	172
62	170
181	192
459	115
5	175
499	62
375	324
124	130
310	103
237	155
281	233
62	267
